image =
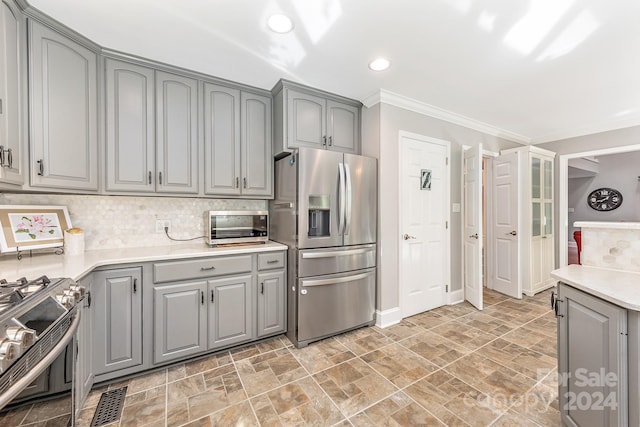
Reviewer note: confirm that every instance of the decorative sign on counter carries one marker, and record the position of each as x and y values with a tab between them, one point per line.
32	227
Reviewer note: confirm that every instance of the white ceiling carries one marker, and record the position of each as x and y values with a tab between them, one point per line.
540	70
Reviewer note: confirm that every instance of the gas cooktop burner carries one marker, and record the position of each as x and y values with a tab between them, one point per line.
12	293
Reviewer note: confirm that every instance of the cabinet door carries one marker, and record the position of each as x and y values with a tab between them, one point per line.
221	140
256	149
130	127
63	95
343	127
592	360
180	320
231	308
11	135
306	120
84	362
117	299
177	134
271	303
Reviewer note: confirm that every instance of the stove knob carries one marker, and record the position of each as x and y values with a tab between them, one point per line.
68	301
78	288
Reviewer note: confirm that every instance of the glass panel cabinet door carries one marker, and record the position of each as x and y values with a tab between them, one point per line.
548	179
536	220
535	178
548	216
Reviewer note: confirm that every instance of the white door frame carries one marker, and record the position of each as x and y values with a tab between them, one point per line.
447	144
563	194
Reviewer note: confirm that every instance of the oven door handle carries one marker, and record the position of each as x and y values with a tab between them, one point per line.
41	366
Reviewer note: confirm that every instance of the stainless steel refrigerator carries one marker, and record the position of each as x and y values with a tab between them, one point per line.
325	211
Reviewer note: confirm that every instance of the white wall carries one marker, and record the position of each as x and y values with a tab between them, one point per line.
381	126
129	221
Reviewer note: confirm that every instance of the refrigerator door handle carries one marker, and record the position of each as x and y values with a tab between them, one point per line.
341	198
322	282
347	220
335	254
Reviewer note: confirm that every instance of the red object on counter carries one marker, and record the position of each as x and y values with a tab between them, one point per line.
577	236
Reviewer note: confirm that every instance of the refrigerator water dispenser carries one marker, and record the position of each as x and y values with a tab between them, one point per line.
319	214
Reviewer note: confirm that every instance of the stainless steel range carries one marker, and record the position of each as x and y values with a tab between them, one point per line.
38	320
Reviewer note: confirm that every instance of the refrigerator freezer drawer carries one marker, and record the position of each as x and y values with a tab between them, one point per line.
317	262
328	305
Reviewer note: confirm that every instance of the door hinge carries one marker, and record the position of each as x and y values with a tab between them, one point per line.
446	225
446	288
446	161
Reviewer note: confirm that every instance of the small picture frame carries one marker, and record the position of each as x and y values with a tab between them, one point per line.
425	179
32	227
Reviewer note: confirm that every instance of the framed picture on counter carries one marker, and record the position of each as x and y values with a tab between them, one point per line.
28	227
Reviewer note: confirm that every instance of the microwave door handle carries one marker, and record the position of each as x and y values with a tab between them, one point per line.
341	198
349	195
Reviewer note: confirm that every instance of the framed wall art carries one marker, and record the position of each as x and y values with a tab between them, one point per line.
32	227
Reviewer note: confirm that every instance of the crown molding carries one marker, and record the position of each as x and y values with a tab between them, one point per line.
387	97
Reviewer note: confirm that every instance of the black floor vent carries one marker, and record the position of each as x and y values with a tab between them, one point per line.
109	407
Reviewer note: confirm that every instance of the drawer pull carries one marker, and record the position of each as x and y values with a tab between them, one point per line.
207	268
273	261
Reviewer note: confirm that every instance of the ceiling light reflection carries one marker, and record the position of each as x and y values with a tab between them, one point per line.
280	23
577	32
542	16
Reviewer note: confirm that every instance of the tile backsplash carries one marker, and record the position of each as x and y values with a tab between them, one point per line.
130	221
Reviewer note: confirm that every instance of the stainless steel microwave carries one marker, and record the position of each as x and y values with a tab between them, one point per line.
227	227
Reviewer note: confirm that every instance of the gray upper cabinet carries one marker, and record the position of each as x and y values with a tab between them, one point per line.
176	133
237	142
131	143
117	339
63	105
306	117
221	140
11	100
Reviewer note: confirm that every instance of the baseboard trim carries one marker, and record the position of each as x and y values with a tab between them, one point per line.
389	317
455	297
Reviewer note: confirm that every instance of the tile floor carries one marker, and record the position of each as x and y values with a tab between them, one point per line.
452	366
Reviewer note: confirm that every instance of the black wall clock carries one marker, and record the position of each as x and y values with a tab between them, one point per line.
604	199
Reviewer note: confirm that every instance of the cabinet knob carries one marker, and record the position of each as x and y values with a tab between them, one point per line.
237	182
160	177
10	157
1	155
324	140
150	177
262	288
330	141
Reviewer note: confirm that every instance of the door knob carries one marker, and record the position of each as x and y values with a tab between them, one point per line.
513	233
407	237
474	236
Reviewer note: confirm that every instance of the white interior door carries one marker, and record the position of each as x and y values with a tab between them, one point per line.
424	237
506	256
473	226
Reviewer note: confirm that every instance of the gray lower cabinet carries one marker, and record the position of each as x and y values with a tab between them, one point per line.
84	363
271	300
11	93
231	318
306	117
237	142
592	360
117	300
180	320
63	84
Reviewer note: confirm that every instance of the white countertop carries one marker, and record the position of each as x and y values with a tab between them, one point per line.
618	287
605	224
77	266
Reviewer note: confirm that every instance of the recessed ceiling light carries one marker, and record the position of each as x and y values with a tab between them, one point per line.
379	64
280	23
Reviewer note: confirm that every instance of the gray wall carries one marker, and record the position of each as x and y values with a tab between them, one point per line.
582	144
619	171
381	126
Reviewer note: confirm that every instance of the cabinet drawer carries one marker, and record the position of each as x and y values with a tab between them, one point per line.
270	261
206	267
